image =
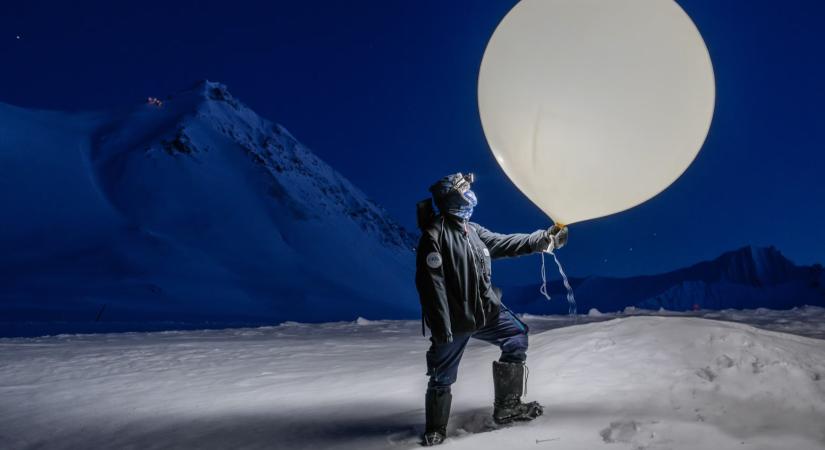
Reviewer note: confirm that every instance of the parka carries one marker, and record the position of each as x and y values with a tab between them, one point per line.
453	273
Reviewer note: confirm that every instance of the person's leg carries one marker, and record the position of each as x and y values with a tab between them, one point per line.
509	372
443	360
509	334
442	368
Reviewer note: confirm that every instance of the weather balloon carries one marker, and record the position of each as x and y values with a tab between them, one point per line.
592	107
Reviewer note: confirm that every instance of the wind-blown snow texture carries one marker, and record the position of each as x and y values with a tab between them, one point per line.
198	210
641	382
749	277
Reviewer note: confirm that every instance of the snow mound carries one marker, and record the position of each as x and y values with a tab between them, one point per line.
651	375
363	322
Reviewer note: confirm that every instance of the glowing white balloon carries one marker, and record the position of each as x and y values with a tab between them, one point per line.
594	106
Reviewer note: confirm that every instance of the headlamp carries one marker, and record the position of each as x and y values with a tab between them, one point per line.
463	182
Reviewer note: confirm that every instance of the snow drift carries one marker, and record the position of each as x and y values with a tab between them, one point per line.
630	383
189	208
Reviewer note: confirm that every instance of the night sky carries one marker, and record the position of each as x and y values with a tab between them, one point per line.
385	91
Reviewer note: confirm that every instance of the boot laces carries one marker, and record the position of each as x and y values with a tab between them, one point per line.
526	376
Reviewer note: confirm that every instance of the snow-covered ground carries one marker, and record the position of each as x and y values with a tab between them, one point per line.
649	381
805	321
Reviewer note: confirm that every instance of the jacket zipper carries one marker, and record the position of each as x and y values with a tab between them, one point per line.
475	280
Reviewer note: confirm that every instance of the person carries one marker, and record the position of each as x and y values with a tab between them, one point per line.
458	301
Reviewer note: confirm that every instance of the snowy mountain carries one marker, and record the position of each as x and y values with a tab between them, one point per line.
188	207
193	211
749	277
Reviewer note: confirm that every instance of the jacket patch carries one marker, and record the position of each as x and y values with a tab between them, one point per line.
434	260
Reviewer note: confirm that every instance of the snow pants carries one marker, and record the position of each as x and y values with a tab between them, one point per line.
508	332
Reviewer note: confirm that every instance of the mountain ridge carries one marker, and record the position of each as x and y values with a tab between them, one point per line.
747	277
191	207
194	208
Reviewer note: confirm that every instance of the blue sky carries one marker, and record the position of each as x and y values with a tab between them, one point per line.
385	91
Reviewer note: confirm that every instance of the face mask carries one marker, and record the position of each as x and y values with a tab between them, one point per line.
452	195
465	209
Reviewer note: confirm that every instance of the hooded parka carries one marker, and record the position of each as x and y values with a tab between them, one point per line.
453	273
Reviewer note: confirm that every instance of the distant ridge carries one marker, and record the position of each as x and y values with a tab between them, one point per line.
749	277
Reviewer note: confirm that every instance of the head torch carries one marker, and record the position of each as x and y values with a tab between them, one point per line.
462	182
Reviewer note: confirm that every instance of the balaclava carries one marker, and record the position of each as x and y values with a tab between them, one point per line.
452	195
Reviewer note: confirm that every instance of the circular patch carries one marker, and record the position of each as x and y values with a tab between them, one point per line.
434	260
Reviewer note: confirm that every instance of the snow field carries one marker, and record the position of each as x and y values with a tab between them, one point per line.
644	382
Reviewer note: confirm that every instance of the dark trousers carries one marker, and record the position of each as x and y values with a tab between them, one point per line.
508	332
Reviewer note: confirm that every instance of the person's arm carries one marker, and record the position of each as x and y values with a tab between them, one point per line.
432	291
510	245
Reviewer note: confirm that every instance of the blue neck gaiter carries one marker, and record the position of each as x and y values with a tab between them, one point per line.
459	205
450	201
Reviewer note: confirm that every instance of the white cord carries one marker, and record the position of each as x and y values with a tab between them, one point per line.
543	287
571	300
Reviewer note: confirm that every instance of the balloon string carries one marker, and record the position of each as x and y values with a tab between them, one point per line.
543	287
571	300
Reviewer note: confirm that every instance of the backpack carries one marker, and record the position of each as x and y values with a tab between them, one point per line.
425	213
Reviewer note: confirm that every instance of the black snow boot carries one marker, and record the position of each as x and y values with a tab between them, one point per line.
509	381
437	409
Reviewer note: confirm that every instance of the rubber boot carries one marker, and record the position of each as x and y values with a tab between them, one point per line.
437	410
509	381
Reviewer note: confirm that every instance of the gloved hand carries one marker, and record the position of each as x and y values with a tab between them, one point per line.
557	236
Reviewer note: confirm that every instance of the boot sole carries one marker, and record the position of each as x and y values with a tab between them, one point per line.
521	418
